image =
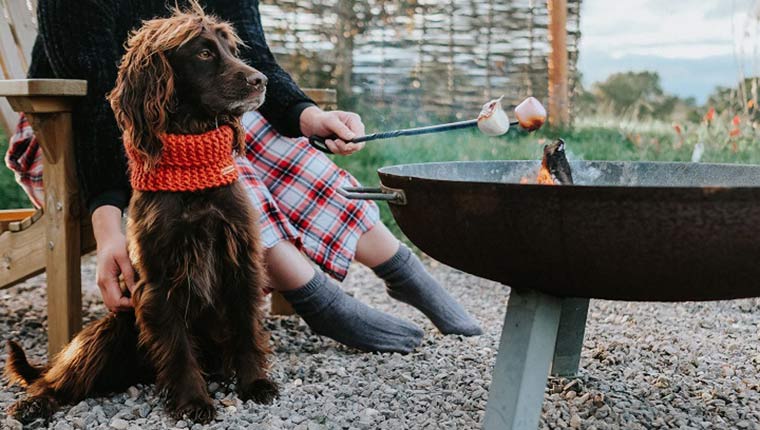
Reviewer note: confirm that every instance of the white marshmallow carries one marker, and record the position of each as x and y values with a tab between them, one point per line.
493	121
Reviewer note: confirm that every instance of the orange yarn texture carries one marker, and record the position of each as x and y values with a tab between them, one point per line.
189	162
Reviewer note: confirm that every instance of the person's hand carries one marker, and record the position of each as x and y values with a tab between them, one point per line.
346	125
113	258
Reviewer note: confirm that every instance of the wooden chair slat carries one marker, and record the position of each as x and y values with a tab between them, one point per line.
8	118
24	27
11	59
12	64
43	87
16	214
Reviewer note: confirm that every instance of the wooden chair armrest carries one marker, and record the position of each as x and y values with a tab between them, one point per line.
42	87
42	95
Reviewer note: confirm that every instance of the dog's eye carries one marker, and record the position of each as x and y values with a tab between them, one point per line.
205	54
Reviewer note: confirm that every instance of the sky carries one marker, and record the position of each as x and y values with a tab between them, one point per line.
695	45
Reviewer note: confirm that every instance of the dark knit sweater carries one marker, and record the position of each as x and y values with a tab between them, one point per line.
85	40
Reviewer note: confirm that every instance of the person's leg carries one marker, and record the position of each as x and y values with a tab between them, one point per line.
288	269
331	312
408	281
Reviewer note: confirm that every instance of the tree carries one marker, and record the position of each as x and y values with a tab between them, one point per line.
639	92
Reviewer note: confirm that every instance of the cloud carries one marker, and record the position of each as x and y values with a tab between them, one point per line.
672	29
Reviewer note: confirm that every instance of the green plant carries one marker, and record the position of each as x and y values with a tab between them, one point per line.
11	195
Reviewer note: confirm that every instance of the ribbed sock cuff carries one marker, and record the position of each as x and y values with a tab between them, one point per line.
398	260
304	293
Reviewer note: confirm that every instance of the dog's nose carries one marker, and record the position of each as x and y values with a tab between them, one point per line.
257	80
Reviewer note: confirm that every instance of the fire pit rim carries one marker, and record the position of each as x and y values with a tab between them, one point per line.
397	171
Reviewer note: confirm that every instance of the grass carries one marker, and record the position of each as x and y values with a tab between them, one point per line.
11	195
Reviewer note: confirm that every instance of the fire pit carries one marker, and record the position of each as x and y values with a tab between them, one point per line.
623	231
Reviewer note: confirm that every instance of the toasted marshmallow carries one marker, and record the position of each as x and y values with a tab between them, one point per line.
530	114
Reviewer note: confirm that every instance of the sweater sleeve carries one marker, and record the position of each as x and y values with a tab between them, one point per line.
284	101
81	43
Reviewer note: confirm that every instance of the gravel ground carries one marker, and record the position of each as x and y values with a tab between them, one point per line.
687	366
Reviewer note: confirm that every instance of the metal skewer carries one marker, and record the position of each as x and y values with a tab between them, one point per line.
319	142
530	114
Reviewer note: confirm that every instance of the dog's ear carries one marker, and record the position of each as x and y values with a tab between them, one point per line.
142	98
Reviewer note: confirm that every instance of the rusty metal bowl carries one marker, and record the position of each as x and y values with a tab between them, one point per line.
625	231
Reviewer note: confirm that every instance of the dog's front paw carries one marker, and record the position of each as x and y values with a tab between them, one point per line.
260	391
199	410
29	410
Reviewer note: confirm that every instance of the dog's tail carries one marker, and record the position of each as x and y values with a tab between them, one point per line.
18	370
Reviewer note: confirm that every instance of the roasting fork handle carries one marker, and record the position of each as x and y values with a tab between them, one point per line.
319	142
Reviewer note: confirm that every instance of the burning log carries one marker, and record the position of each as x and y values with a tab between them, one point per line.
555	170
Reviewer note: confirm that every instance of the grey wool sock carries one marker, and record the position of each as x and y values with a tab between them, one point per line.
330	312
408	281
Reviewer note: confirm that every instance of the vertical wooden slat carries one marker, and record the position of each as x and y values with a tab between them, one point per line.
62	211
23	26
11	69
8	118
559	103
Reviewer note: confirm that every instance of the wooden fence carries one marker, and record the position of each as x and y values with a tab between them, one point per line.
435	57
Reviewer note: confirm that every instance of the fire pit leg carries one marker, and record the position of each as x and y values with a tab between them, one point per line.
572	327
522	365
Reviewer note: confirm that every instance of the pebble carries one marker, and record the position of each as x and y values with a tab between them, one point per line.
133	392
119	424
12	424
643	365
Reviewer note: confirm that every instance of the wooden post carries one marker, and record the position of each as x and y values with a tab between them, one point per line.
559	97
522	364
47	104
62	212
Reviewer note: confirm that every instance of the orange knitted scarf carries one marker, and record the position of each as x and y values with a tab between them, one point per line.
189	162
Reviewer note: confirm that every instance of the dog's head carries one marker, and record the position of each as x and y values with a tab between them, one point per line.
182	75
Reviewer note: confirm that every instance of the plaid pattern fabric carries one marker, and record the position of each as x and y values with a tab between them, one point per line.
291	184
24	158
294	188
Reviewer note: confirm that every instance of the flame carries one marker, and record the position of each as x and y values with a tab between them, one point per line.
544	177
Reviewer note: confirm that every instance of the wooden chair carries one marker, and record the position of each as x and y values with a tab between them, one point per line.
53	240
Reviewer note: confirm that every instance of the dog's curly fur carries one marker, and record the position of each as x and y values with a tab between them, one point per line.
198	255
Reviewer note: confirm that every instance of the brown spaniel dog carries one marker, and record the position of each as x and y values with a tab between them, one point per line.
197	253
